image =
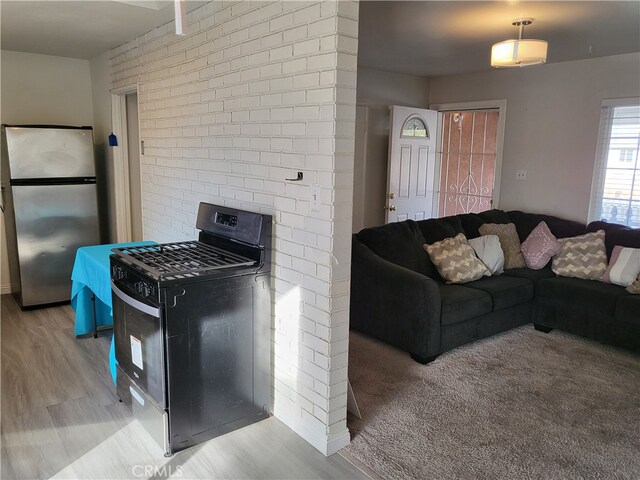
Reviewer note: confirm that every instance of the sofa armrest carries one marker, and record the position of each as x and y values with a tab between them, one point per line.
394	304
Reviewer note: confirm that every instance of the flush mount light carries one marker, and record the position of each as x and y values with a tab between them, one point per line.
520	52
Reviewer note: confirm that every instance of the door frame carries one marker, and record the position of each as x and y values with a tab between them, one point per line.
363	166
122	191
501	105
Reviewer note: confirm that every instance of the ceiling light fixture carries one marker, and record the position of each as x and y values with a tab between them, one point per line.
181	17
520	52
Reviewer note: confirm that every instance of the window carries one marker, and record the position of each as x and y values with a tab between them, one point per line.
615	191
626	155
414	127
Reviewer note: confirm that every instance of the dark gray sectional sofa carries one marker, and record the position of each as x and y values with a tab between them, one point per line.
398	297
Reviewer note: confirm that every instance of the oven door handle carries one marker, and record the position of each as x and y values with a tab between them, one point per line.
143	307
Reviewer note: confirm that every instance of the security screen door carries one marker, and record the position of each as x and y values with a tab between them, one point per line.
468	161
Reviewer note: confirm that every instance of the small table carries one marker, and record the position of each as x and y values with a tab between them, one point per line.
91	291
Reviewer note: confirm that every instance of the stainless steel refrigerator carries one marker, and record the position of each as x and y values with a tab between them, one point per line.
50	204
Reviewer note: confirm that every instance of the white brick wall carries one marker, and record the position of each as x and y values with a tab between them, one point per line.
255	92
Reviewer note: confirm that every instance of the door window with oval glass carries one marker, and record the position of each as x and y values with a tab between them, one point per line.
414	127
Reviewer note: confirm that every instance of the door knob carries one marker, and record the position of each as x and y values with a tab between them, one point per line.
392	208
392	196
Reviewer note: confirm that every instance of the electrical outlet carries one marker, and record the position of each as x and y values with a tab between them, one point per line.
521	174
315	198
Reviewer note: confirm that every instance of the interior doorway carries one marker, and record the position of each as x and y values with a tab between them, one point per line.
126	165
133	144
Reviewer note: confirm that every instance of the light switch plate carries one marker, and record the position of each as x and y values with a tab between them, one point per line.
315	198
521	174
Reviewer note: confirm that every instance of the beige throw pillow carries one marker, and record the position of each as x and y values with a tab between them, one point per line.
455	260
509	241
584	256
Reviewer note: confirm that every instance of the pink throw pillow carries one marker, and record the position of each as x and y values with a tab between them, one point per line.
539	247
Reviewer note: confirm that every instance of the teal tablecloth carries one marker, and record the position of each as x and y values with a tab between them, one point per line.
91	275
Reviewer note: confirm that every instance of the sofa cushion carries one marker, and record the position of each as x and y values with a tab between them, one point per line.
616	234
471	222
399	243
455	260
460	303
436	229
509	242
590	295
628	309
561	228
581	257
505	291
533	275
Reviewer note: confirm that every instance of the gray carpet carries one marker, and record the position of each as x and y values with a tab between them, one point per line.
521	405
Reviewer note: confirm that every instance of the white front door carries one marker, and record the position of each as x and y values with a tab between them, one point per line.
412	159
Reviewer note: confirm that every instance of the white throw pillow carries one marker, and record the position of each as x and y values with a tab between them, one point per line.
488	249
624	266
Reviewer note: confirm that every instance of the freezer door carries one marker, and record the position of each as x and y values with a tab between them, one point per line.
50	152
52	221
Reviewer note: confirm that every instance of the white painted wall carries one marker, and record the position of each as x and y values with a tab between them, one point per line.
378	90
255	92
553	114
45	89
42	89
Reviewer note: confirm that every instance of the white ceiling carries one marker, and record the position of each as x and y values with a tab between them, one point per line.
425	38
431	38
79	29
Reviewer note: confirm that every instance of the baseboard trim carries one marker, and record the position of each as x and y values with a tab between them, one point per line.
327	445
336	442
4	289
316	439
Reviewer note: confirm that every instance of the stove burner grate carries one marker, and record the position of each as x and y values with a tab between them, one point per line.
180	259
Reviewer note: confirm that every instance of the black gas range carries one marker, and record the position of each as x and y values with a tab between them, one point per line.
192	328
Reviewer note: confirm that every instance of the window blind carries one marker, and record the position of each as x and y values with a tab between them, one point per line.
615	191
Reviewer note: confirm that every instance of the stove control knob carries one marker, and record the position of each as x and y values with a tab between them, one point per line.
143	289
118	273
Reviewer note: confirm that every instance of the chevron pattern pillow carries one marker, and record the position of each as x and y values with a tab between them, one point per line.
456	260
584	256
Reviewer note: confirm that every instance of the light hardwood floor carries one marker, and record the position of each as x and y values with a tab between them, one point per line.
62	419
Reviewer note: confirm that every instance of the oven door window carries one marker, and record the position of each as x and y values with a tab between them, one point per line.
139	343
